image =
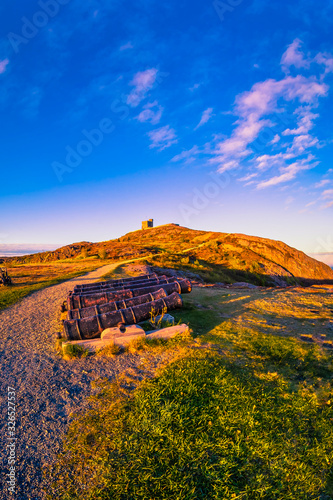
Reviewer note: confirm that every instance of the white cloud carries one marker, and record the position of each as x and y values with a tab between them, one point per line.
254	108
329	204
326	60
142	82
328	193
248	177
206	116
293	56
288	173
151	113
272	139
275	140
322	183
260	109
301	143
162	138
304	123
3	65
188	156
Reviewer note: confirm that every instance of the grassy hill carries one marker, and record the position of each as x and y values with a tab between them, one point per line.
214	256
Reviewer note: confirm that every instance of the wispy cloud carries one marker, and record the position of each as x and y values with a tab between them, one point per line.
327	195
195	87
3	65
288	173
275	140
258	109
152	113
293	56
126	46
162	138
206	116
31	102
304	122
188	156
322	183
142	82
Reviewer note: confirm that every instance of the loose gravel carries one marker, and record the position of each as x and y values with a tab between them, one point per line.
47	388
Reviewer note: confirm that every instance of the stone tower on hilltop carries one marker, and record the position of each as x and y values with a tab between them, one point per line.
147	223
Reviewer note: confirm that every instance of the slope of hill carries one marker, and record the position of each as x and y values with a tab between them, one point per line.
215	256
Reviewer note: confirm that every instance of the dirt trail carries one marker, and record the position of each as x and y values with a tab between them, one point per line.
47	388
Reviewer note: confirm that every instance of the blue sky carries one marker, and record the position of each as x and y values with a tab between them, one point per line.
214	115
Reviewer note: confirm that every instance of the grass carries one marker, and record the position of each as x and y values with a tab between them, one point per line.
75	351
117	273
28	278
110	351
243	412
208	271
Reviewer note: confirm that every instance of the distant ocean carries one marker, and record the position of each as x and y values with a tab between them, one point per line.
12	250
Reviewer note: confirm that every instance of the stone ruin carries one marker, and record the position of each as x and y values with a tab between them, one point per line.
146	224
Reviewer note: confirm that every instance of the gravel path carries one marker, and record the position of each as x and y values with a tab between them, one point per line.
47	388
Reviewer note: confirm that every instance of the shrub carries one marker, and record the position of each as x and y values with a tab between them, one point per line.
109	351
84	253
102	254
75	351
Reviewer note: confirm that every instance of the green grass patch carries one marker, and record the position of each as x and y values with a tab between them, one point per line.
205	428
9	295
75	351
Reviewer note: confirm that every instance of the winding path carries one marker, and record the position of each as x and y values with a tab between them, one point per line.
48	389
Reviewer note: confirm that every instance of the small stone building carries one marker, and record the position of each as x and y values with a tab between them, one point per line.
147	223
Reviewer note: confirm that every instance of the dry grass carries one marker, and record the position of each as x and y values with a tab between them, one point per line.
28	278
289	312
110	351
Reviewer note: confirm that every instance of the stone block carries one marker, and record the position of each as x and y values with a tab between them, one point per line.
111	333
118	338
168	333
165	318
126	339
91	345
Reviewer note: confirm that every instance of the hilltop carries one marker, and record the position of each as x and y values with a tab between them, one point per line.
213	256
